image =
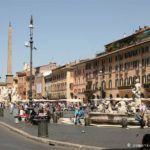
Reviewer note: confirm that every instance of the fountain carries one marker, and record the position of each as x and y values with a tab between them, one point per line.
115	111
10	94
137	93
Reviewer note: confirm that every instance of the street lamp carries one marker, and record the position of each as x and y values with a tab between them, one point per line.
30	44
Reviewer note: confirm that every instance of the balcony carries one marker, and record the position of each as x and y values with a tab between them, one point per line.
125	87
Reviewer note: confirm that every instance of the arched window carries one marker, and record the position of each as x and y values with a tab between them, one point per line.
126	81
110	84
93	86
134	78
148	78
130	80
117	95
126	96
103	85
75	97
138	77
79	91
110	96
121	82
143	79
116	83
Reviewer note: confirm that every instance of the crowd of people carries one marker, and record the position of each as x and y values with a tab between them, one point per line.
28	112
48	110
31	113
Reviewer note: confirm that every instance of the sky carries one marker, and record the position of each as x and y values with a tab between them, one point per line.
66	30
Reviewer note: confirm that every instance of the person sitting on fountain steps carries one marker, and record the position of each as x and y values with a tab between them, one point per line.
139	116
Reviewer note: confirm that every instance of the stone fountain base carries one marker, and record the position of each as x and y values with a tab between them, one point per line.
111	118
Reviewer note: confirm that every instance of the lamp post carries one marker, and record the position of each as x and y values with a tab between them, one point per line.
30	44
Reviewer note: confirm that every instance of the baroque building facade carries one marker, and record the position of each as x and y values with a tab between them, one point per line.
40	85
110	74
124	61
79	80
62	82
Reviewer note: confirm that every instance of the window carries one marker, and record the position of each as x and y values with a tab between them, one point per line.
88	66
147	61
145	49
110	59
127	66
130	80
110	68
135	64
79	81
121	82
143	63
121	67
138	77
116	68
143	79
103	62
79	91
148	78
95	64
116	57
103	85
116	83
134	78
126	81
103	69
110	84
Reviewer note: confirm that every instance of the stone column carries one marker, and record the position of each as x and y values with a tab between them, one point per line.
9	76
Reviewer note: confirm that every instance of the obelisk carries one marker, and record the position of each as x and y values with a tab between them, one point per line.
9	76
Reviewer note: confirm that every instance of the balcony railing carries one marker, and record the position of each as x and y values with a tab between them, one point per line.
125	87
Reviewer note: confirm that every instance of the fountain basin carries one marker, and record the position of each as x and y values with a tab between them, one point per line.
111	118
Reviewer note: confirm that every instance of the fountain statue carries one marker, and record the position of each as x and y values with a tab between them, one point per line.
10	93
137	93
122	105
4	93
15	96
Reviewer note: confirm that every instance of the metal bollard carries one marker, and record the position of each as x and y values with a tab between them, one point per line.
55	118
86	121
43	128
124	122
